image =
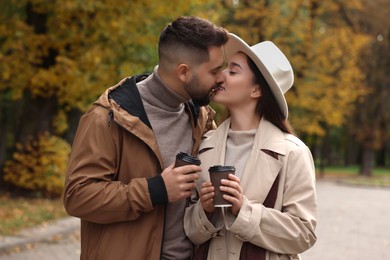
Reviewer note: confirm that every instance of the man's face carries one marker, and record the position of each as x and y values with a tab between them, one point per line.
206	76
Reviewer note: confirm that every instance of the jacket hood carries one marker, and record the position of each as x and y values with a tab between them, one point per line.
126	108
125	105
125	95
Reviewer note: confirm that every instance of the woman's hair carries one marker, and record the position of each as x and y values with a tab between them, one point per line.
267	105
189	37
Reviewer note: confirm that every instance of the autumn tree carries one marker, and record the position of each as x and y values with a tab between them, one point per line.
370	124
322	48
322	52
56	57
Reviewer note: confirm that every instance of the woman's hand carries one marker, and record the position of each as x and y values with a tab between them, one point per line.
233	187
207	198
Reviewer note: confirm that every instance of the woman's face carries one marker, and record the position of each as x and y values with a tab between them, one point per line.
237	88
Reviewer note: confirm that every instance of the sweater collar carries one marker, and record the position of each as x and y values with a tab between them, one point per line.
267	137
156	93
237	138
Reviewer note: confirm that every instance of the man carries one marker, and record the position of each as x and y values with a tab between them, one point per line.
120	180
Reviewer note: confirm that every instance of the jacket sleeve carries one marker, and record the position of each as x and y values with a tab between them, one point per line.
198	227
90	193
290	230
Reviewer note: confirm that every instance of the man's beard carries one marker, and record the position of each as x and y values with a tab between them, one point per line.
194	90
202	101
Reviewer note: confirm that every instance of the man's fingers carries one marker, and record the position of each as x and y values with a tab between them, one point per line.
186	169
190	177
187	186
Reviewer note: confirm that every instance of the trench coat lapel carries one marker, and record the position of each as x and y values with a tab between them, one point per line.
215	145
261	169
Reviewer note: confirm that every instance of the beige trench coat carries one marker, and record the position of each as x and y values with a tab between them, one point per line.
285	230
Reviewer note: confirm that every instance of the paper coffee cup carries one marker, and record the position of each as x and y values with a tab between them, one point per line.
185	159
217	173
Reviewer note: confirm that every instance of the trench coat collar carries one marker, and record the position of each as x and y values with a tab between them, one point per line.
261	169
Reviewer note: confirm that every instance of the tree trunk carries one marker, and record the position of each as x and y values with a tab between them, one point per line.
36	117
351	151
315	149
326	149
381	157
73	117
367	162
9	116
3	135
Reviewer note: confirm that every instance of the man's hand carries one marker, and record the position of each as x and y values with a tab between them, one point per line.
180	181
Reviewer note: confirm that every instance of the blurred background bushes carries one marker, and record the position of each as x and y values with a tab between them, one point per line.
39	165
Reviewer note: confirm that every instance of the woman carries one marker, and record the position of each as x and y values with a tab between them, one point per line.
273	212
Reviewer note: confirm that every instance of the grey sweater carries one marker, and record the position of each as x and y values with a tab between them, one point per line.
172	129
238	147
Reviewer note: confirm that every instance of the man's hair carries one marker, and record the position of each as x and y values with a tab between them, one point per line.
189	38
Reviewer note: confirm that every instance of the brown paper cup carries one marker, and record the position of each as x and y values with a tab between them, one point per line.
185	159
217	173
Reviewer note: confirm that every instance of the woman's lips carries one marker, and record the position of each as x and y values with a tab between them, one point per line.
214	90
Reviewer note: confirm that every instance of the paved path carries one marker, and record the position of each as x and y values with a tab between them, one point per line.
59	240
354	223
65	248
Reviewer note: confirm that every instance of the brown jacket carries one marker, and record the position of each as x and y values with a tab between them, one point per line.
113	180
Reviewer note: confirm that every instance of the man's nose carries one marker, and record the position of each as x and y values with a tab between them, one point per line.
220	78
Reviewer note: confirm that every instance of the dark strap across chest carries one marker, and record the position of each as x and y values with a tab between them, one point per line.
249	250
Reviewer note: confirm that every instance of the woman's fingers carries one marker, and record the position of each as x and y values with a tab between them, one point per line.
232	183
207	196
234	192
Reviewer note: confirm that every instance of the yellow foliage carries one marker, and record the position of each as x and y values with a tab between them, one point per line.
324	55
60	124
332	81
83	47
87	46
39	165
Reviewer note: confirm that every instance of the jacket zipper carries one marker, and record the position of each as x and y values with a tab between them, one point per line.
110	118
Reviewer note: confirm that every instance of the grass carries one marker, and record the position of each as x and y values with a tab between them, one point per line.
350	175
353	170
379	181
19	213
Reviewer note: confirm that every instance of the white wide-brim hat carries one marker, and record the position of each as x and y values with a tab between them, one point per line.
271	62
